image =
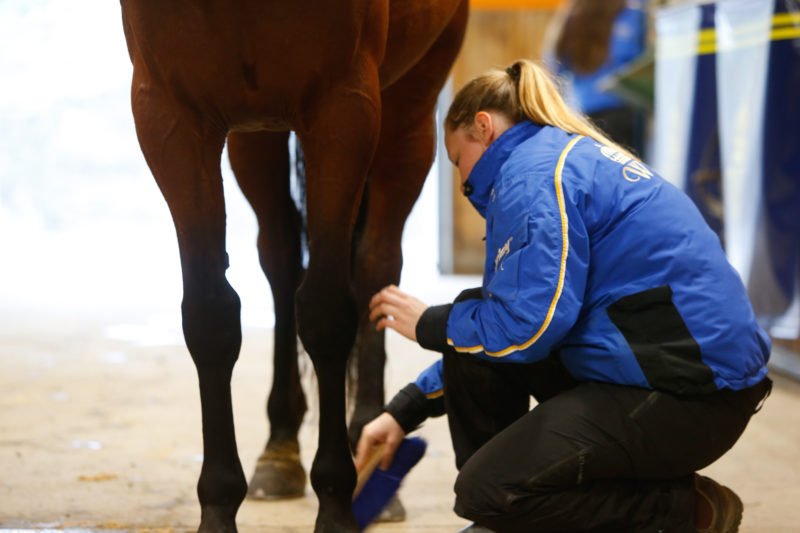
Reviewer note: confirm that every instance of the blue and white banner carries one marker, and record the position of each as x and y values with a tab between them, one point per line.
676	60
774	282
727	131
742	40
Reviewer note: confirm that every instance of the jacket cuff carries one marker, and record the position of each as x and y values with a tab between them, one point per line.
409	407
432	328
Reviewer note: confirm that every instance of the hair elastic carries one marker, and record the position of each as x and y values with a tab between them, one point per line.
514	72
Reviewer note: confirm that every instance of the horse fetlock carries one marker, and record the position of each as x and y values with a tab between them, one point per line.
335	510
223	488
216	519
333	477
285	413
221	492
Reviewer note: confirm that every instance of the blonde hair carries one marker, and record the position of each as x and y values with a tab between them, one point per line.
523	91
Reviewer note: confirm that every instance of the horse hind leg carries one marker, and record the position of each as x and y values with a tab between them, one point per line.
183	153
260	162
402	161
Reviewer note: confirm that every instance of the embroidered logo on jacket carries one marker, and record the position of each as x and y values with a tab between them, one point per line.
632	170
501	253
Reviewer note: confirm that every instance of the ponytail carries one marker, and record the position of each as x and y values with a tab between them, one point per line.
523	91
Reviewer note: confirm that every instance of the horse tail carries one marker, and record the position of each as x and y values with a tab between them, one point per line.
298	190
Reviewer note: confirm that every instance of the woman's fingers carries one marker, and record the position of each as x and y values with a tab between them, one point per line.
389	302
395	309
396	318
390	295
378	296
384	309
365	444
388	453
382	430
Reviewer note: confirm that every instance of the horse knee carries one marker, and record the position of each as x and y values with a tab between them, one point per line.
212	324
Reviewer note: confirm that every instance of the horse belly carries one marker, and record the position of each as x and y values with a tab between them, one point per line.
255	65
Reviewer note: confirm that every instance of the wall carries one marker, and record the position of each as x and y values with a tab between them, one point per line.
495	38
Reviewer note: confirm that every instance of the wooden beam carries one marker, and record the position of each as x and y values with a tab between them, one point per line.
508	5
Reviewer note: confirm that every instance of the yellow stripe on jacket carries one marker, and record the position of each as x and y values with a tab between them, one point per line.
561	271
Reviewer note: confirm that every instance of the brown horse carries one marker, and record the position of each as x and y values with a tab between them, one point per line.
358	81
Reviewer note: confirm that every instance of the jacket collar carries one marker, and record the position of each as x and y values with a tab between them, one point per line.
481	179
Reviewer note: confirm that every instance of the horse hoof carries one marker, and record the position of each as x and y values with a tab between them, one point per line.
279	474
393	512
217	520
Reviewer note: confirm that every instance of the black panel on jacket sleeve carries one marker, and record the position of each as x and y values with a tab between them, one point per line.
476	293
411	408
432	328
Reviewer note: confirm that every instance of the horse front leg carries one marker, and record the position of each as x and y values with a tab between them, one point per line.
338	152
260	162
183	153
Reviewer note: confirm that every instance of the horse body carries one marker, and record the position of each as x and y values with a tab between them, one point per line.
241	65
357	80
244	66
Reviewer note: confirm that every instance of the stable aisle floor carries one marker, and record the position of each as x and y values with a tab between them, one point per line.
100	430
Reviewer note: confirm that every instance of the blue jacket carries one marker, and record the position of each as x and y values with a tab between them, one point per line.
627	42
592	255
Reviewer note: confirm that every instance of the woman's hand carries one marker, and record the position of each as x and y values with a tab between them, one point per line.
397	310
382	430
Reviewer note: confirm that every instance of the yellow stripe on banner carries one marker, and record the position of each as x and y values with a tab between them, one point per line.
562	268
785	19
784	26
435	394
706	36
782	34
706	49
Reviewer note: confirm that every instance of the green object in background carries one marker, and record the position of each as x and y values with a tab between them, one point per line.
635	83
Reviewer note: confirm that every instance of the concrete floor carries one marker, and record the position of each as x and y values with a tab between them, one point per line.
101	431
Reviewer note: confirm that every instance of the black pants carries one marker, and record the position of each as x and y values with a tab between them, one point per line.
589	456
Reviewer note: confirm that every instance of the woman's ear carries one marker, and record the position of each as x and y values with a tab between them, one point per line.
483	128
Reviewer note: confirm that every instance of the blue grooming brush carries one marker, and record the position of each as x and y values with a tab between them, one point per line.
381	485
